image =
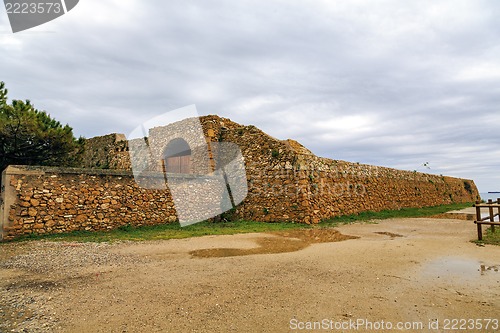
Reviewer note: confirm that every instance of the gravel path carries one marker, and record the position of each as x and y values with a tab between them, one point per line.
35	273
397	270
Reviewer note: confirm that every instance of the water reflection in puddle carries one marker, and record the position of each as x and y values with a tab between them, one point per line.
454	268
485	269
283	241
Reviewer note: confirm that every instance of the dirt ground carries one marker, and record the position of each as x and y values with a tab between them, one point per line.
395	272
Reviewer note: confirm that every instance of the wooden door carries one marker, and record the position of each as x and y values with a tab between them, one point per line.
178	164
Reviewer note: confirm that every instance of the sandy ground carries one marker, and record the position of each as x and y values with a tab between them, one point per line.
402	270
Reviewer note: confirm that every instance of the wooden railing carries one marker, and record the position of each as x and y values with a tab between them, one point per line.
489	219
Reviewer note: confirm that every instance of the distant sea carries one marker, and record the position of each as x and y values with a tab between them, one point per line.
492	196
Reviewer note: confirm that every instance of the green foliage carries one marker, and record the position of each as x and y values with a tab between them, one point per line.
3	94
275	153
31	137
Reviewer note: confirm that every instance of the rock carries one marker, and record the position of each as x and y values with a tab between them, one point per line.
50	223
32	211
80	218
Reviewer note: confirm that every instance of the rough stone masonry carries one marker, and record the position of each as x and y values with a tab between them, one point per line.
286	182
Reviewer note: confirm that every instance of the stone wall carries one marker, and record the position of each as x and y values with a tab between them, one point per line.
39	200
107	152
289	183
286	182
189	130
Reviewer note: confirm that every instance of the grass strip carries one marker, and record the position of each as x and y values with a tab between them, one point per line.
399	213
490	237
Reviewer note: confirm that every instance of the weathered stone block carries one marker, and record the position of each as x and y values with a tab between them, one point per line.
81	218
24	204
50	223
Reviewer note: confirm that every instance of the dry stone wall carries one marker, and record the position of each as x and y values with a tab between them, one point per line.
289	183
40	200
107	152
286	182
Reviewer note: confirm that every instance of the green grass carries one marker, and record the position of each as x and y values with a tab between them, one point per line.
173	231
389	214
490	237
166	231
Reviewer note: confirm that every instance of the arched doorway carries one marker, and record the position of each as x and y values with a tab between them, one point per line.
177	157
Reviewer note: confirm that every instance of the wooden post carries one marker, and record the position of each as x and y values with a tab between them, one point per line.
478	219
492	218
478	210
498	208
498	203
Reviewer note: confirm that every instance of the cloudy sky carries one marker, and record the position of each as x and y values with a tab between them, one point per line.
392	83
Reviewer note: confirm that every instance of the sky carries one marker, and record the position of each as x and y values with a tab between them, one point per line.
413	85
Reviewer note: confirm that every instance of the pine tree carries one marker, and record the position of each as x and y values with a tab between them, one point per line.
31	137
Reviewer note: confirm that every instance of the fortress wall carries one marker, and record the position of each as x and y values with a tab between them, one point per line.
273	183
342	188
286	182
39	200
107	152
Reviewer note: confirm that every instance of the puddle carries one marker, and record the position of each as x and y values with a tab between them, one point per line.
454	268
280	242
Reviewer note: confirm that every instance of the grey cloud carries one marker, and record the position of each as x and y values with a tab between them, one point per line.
387	83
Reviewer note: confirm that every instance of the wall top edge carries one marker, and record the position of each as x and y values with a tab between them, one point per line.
41	170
